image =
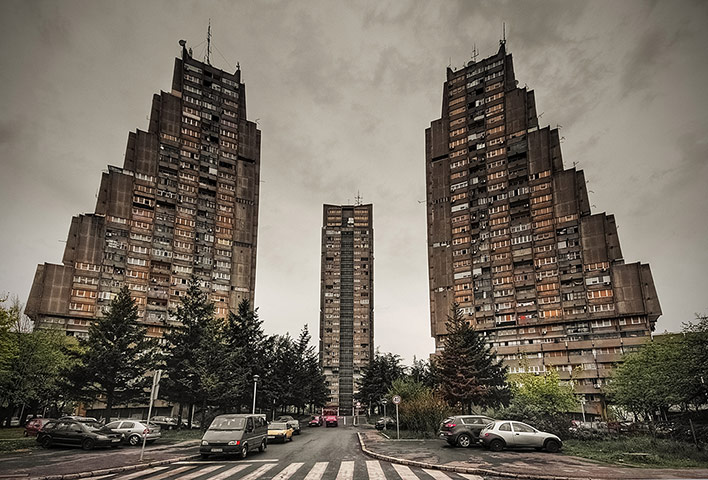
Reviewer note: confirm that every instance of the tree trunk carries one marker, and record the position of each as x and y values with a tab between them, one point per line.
109	407
179	416
204	406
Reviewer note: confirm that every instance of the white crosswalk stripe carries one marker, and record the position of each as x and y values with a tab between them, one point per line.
469	476
288	471
162	475
227	473
404	472
199	472
140	473
260	471
346	471
317	471
375	470
437	474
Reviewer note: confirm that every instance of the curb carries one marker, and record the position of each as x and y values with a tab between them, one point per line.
469	470
106	471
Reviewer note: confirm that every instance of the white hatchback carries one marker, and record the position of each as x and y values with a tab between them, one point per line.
503	434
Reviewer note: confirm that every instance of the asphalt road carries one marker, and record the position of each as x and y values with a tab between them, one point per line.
316	454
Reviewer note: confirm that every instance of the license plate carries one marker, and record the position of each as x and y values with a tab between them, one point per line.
115	440
217	449
271	436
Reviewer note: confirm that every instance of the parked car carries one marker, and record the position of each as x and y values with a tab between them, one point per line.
34	425
280	431
463	430
507	434
331	421
235	434
316	421
134	430
386	422
165	423
79	434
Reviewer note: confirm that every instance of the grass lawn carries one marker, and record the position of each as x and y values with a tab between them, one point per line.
639	451
12	439
176	436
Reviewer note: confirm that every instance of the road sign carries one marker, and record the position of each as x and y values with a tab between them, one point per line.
358	404
396	399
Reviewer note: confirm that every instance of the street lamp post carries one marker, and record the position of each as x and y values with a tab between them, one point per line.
384	404
255	388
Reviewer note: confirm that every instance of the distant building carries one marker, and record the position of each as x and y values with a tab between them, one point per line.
512	239
346	299
185	202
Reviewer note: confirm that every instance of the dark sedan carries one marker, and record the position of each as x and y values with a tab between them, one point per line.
385	422
463	430
72	433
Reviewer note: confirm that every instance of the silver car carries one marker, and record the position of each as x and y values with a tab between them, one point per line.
503	434
134	430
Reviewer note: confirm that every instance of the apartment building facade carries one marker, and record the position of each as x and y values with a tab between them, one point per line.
184	202
346	300
512	238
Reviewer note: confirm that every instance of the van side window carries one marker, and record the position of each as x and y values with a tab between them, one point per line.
249	423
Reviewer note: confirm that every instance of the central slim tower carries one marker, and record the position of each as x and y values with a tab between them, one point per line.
346	299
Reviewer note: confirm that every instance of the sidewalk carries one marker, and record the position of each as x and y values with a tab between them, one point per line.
436	454
65	464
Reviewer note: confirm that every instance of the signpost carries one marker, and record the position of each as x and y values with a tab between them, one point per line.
153	396
396	400
356	411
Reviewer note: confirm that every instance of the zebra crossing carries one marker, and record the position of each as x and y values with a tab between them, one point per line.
265	470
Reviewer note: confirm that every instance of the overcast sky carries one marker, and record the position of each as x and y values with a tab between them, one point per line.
343	92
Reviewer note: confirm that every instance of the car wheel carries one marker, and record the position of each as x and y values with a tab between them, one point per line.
464	440
496	445
552	446
244	451
134	440
205	456
46	442
264	446
87	444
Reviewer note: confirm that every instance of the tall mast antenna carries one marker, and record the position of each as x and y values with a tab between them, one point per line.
474	53
503	33
208	49
357	199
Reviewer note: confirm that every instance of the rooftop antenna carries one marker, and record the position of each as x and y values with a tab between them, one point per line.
503	40
357	199
474	53
208	49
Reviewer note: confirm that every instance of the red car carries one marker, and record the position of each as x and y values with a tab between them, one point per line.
331	421
316	421
34	425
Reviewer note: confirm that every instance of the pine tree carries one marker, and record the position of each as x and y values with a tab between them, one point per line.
116	356
195	353
378	377
248	353
467	371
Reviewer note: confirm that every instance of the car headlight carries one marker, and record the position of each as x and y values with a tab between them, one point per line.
101	437
234	442
204	442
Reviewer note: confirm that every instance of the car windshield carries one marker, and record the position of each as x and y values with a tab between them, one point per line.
228	424
278	426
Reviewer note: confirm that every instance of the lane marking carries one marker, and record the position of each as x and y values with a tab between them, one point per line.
199	472
224	462
375	470
346	471
140	473
317	471
260	471
404	472
226	474
436	474
469	476
288	471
